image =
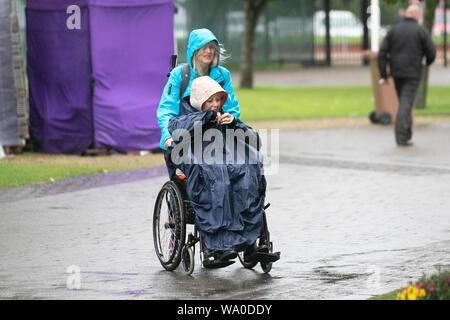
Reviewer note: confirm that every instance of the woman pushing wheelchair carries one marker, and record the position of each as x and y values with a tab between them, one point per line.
224	181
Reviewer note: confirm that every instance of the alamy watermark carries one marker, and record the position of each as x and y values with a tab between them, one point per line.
73	22
73	281
236	147
373	281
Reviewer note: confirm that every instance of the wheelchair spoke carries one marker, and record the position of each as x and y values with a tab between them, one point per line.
168	225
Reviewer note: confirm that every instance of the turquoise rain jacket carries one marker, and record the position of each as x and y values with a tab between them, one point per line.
169	106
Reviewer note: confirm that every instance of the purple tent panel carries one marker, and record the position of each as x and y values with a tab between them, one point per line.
55	5
131	43
129	3
124	46
58	69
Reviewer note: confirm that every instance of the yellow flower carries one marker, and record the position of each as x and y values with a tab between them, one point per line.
410	290
412	297
401	296
412	293
422	293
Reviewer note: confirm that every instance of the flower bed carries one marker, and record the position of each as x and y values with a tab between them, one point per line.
434	287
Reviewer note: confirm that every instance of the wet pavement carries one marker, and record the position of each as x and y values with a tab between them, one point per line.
352	214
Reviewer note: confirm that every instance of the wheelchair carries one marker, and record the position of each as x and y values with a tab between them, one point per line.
172	213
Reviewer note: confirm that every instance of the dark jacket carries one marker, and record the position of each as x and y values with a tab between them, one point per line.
403	48
226	195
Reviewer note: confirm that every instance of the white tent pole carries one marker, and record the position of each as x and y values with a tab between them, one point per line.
375	25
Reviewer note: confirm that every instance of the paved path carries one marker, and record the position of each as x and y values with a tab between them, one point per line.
352	214
334	76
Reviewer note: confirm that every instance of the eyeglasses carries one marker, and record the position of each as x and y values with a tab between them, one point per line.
209	46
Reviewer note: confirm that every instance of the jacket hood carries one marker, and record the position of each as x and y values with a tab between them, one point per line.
197	39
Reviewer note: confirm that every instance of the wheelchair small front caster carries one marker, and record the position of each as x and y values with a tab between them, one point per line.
266	267
187	259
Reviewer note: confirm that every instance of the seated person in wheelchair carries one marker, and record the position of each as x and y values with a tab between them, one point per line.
225	184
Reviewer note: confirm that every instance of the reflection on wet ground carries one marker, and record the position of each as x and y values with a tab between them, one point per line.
405	169
352	215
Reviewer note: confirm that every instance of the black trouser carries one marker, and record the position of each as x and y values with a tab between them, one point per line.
406	92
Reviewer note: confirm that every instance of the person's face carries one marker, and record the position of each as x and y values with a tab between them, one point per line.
205	54
213	103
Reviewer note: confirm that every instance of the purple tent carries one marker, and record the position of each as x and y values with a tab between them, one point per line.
99	85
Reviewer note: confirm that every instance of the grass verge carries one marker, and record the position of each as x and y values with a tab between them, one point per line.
387	296
264	104
37	168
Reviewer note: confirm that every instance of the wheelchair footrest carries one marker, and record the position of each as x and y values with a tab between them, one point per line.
263	257
218	264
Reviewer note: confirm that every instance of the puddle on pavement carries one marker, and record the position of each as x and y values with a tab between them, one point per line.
327	275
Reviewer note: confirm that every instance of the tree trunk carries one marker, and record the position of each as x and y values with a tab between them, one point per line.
428	22
253	9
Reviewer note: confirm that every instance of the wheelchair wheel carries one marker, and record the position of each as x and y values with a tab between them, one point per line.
265	240
266	267
247	265
169	228
187	259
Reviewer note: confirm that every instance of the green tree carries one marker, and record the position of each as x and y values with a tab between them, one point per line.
252	9
428	22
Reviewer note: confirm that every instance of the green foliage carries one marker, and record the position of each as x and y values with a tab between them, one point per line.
389	10
437	286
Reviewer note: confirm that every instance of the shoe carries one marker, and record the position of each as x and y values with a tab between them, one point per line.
227	255
405	144
260	254
212	260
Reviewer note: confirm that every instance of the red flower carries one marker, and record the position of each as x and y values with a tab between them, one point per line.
430	288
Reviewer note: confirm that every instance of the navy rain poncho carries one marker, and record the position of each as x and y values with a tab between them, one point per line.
228	197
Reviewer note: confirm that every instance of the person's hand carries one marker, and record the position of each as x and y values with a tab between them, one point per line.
225	118
168	143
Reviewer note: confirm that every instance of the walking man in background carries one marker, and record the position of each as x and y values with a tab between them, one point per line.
404	47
